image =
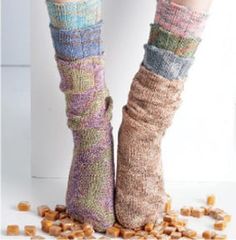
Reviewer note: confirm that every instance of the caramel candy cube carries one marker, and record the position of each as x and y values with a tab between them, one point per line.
52	215
76	227
180	229
167	207
197	212
208	234
155	233
159	229
169	218
78	234
63	215
117	225
30	230
37	238
67	224
113	232
169	230
215	212
175	235
149	227
223	216
189	233
185	211
46	224
67	235
220	237
13	230
23	206
141	234
178	223
60	208
207	210
127	233
211	199
219	225
55	231
88	229
42	210
137	229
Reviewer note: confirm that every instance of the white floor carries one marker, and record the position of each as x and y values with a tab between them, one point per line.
17	184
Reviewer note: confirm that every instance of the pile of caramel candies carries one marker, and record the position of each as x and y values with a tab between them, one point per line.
59	224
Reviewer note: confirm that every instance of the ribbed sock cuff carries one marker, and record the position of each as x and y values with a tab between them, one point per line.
179	19
166	63
74	15
77	44
181	46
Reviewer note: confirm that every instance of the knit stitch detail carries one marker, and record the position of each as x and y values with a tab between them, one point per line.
74	15
77	44
179	19
181	46
83	83
152	103
166	63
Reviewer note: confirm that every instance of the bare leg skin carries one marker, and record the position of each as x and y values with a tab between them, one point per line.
197	5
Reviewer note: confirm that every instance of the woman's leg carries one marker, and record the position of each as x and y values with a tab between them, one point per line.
154	97
76	33
196	5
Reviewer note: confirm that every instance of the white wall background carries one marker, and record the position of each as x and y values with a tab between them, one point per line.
15	32
201	143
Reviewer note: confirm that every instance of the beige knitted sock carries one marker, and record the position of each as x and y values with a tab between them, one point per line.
152	103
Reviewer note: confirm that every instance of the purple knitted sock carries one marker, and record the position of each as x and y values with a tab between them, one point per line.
90	190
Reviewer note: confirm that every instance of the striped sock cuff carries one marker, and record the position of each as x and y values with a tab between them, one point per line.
166	63
179	19
181	46
74	15
77	44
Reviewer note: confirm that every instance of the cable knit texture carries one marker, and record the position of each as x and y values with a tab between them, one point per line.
78	43
181	46
76	33
179	19
74	15
152	103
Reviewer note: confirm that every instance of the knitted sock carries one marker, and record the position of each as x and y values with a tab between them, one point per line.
77	41
179	19
180	46
74	15
154	97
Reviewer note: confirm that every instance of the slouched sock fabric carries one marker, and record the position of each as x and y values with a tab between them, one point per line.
76	34
154	97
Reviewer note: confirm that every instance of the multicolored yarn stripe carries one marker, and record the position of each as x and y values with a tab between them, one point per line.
166	63
78	43
179	19
74	15
76	33
90	190
181	46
